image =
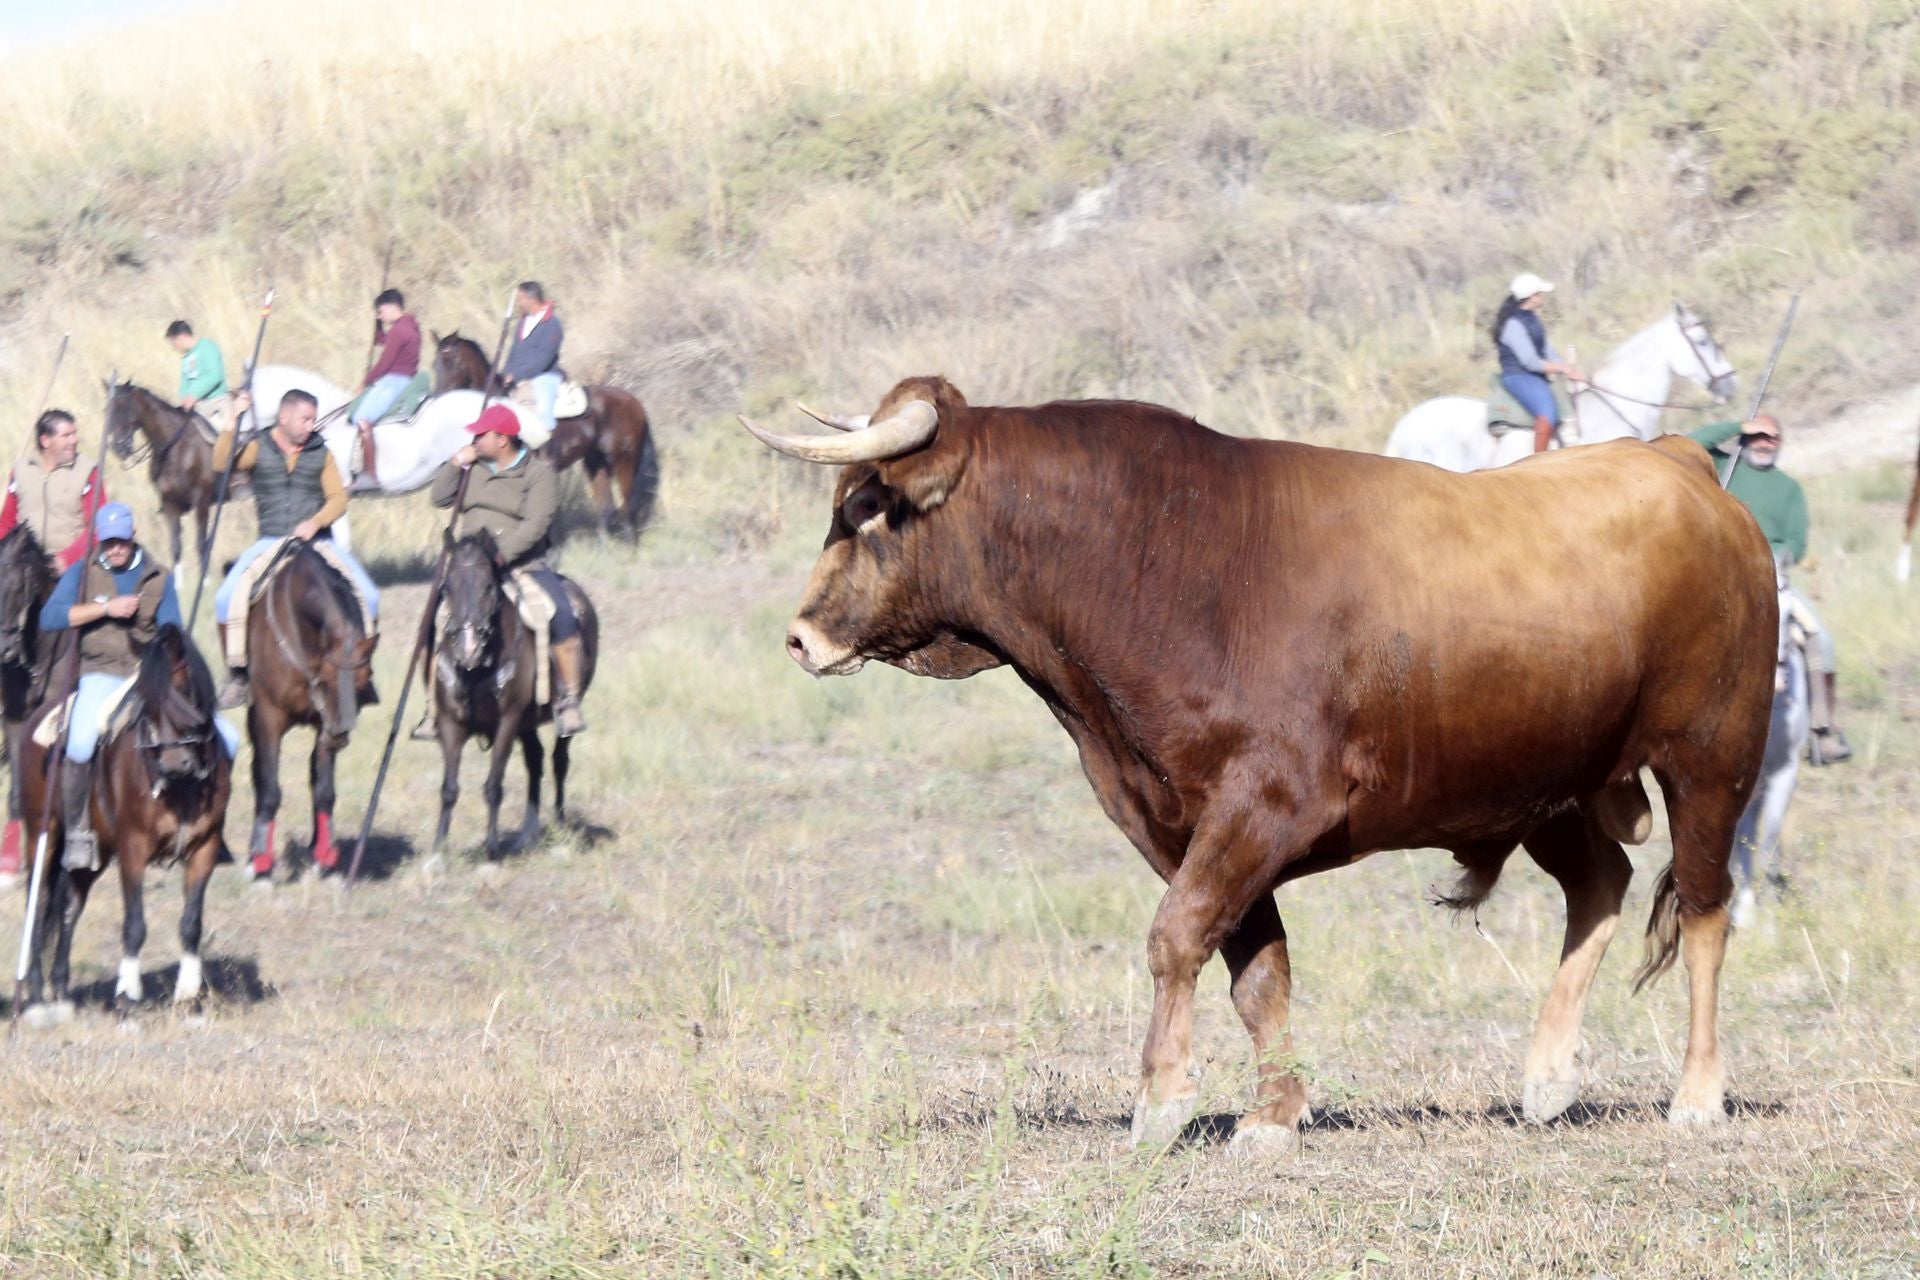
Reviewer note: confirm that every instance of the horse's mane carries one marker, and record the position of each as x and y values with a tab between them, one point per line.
339	590
154	684
21	541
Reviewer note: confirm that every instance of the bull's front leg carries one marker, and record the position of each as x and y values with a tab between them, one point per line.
1233	861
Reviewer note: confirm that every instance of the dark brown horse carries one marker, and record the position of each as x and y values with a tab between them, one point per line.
160	793
310	662
612	439
179	459
483	685
26	580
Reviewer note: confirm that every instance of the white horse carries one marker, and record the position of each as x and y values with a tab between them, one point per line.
1756	841
409	452
1624	399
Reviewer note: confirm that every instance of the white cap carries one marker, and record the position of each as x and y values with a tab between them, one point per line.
1526	284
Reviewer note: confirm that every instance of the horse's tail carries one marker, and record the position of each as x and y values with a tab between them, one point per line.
643	487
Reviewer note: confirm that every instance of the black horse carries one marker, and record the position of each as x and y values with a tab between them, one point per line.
26	580
159	794
483	683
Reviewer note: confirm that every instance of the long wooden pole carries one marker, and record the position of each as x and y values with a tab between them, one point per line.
58	357
55	776
1760	392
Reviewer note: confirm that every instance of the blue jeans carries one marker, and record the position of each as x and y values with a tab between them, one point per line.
546	389
1534	393
223	598
380	397
565	624
84	736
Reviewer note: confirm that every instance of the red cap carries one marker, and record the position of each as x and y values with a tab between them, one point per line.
497	418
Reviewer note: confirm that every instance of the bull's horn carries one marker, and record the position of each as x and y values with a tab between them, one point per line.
838	421
906	430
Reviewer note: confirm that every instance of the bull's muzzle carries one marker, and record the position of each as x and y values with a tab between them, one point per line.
817	655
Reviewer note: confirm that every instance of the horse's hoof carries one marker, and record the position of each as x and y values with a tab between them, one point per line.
1263	1141
129	1025
1547	1099
327	858
260	867
1697	1108
1160	1124
57	1013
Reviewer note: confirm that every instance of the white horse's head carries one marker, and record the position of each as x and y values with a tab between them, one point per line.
1694	354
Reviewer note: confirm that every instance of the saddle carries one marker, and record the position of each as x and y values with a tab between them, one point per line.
1505	414
536	610
571	402
116	713
405	406
259	575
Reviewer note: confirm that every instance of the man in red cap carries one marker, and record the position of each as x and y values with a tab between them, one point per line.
512	494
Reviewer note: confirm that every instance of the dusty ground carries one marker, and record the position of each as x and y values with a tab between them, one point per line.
850	981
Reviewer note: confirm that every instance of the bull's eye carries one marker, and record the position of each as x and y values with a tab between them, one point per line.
863	505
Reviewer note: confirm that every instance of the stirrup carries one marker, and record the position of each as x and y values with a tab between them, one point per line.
428	730
81	852
237	692
1828	746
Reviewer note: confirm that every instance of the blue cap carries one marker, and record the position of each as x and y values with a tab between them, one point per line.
115	520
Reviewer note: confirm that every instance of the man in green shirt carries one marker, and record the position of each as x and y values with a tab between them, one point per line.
1780	505
203	377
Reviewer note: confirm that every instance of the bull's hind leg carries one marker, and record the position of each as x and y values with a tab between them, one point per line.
1256	956
1593	872
1690	916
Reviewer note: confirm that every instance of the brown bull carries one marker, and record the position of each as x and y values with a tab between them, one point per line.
1276	659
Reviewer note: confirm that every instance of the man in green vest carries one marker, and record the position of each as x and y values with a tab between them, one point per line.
297	493
203	376
1780	505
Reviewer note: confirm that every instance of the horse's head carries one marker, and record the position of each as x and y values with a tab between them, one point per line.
1694	354
25	579
472	601
123	418
458	363
174	732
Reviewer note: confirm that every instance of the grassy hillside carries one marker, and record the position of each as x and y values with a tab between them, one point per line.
1290	220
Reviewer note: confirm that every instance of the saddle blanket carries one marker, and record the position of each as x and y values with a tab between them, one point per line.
254	583
54	722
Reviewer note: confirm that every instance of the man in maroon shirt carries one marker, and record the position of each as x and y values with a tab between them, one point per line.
399	343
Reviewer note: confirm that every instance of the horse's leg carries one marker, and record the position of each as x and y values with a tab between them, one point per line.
562	753
265	736
494	789
326	855
600	482
173	533
199	870
534	755
133	855
74	886
453	739
43	921
200	535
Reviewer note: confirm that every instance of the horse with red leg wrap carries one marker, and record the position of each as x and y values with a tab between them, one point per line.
311	663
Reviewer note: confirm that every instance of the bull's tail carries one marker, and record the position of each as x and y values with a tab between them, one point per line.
1663	931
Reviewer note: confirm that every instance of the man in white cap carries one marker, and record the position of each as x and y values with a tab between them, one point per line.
1527	359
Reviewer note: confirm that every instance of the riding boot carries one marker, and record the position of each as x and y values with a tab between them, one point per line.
235	693
82	851
568	661
1829	745
1542	433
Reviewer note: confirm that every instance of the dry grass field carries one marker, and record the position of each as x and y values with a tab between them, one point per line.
848	978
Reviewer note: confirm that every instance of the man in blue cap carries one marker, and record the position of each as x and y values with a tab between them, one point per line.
117	600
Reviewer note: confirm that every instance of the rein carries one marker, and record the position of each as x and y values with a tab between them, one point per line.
1608	397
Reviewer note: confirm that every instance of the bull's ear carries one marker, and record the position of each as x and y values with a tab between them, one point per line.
925	477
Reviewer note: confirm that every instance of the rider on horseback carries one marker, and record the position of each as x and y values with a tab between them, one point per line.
54	491
1527	358
532	372
297	493
1780	505
118	601
513	495
203	376
399	343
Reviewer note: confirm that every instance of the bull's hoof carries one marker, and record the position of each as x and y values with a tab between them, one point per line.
1160	1124
39	1017
1262	1142
1697	1108
1547	1099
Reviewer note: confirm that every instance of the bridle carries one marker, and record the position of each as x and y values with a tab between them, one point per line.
198	742
132	454
343	657
1713	379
